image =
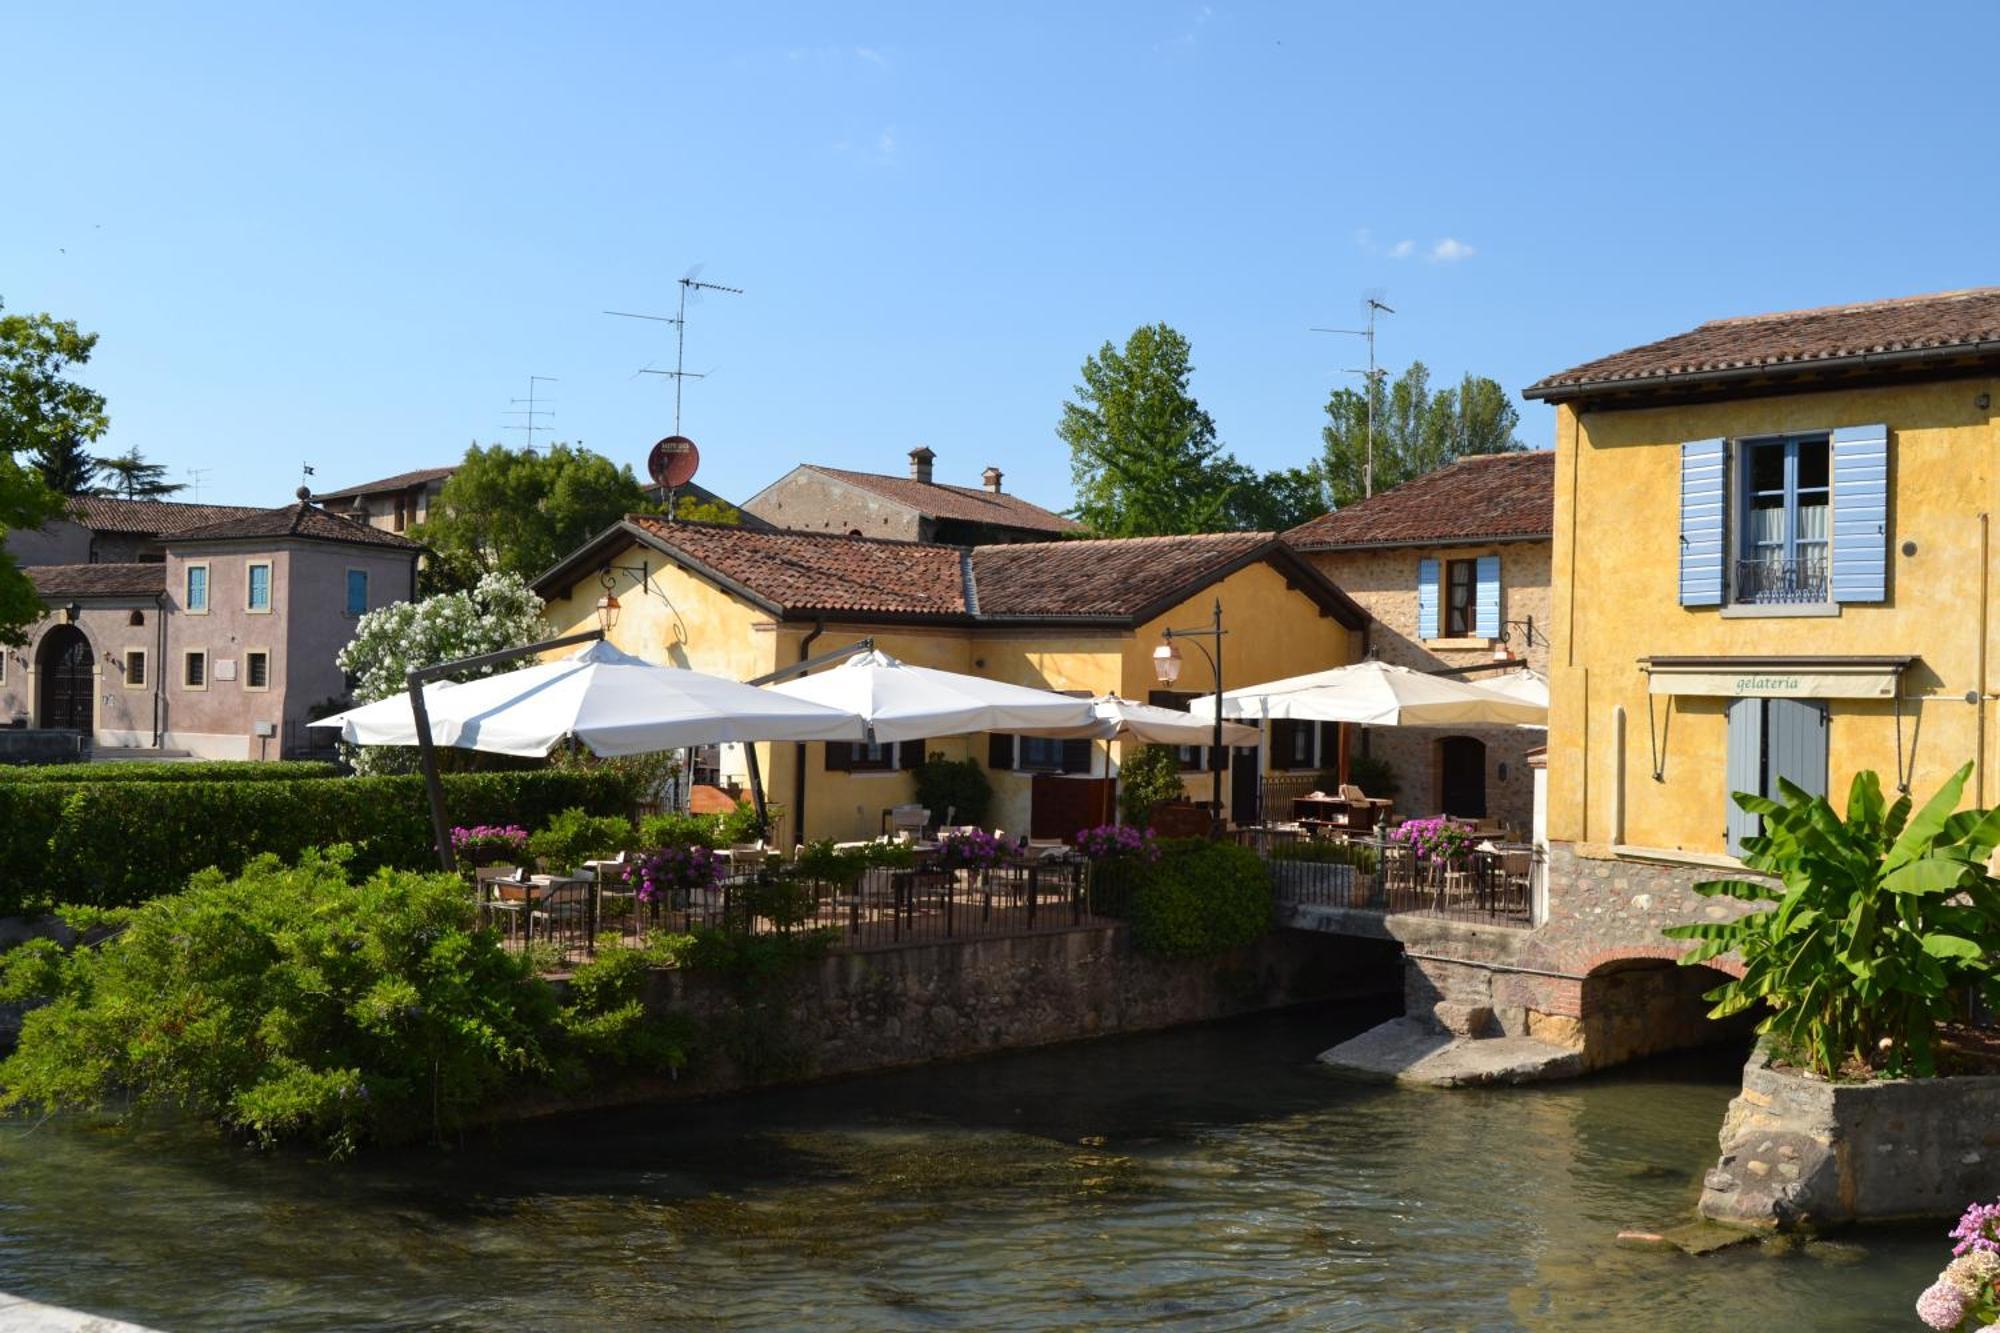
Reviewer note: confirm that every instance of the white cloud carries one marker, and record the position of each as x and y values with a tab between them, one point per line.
1402	249
885	144
871	55
1450	251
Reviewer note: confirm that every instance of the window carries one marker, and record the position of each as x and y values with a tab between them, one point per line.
402	513
357	592
1769	740
1292	745
1040	754
258	594
194	669
872	756
1461	582
135	668
195	597
1782	531
257	670
1190	756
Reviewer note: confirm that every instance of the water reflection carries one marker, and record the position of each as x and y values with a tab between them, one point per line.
1210	1178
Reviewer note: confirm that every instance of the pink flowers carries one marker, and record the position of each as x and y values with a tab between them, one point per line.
489	842
1107	841
672	874
1979	1229
970	849
1965	1296
1942	1305
1433	839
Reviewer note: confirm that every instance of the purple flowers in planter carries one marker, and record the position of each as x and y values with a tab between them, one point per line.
489	842
1435	839
970	849
673	873
1967	1293
1108	841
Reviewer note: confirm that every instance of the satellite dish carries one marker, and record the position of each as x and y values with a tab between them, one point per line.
673	462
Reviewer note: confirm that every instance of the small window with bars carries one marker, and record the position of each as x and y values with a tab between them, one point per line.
257	670
194	669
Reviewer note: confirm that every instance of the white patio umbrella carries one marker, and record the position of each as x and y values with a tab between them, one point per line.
1113	717
1377	694
900	702
1525	684
612	702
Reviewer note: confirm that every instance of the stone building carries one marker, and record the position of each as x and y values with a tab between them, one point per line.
392	504
214	636
1454	569
918	508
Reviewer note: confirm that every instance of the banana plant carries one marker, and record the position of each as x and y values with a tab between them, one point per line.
1871	926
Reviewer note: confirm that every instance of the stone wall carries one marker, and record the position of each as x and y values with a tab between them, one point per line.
1803	1153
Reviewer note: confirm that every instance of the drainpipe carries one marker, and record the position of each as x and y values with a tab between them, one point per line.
799	752
160	672
1979	752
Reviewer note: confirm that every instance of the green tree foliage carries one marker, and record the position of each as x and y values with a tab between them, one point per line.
1878	923
1416	430
1145	780
574	836
1275	501
518	511
131	477
691	510
45	417
955	786
1200	899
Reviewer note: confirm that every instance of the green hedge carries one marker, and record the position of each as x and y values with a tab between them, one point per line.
1202	898
116	844
221	770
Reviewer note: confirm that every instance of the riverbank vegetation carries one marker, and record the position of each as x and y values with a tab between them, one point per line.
1183	897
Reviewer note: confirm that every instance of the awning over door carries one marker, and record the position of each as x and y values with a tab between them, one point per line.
1776	677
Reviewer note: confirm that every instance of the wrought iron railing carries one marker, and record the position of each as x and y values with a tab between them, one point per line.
1781	581
1382	875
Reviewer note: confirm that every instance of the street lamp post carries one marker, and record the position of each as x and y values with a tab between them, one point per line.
1167	666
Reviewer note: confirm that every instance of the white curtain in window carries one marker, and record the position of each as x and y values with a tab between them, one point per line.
1767	533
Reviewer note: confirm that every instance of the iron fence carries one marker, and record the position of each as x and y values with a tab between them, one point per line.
1767	581
1492	886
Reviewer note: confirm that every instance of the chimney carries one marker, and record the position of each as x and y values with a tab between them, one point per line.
991	476
920	463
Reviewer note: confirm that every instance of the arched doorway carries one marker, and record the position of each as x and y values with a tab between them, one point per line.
64	680
1462	776
1635	1007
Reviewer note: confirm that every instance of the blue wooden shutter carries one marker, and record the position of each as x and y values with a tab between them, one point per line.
1860	514
1703	491
1794	745
1486	603
1743	770
1427	599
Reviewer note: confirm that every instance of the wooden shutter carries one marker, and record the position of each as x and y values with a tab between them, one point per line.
910	754
1743	770
1329	747
1076	755
1427	599
1860	514
1704	491
1486	599
1281	743
1000	752
1794	745
839	756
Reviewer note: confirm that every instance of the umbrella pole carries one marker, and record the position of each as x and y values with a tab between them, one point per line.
433	784
756	784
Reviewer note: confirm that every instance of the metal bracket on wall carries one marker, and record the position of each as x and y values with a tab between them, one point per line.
1656	735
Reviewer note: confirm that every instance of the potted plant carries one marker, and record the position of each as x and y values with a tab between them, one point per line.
1120	857
672	876
489	845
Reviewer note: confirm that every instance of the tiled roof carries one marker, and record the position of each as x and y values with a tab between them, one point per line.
108	513
108	580
812	571
1481	498
968	504
1886	333
304	521
1114	577
401	481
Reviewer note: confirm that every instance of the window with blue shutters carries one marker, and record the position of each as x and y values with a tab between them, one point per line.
1783	519
1770	740
1860	569
1486	602
1704	488
1427	599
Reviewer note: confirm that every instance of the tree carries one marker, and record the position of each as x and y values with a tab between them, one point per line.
1143	454
707	511
518	511
133	478
1416	431
41	413
1276	500
499	611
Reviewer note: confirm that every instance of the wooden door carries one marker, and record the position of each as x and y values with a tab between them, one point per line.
67	684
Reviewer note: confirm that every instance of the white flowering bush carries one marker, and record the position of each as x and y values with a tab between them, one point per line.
500	611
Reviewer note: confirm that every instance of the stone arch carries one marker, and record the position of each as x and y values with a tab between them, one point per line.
1640	1001
65	680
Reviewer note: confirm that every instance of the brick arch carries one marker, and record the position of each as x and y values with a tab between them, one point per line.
1664	952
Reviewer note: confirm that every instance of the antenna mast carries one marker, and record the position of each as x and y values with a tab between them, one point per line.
533	414
1373	378
198	473
679	373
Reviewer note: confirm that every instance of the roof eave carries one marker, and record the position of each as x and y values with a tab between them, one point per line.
1506	539
1902	358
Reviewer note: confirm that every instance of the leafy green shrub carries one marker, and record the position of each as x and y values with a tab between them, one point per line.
290	1003
1357	854
1145	779
744	825
574	836
958	787
1203	898
1882	919
674	829
221	770
606	1021
1372	773
115	844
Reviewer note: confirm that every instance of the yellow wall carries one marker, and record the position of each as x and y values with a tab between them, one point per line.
1616	600
1274	632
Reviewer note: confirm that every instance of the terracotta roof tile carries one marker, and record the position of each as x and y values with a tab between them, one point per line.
812	571
108	513
106	580
1887	332
1109	577
304	521
1481	498
968	504
401	481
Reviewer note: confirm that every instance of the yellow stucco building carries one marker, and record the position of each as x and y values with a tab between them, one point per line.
1077	616
1773	559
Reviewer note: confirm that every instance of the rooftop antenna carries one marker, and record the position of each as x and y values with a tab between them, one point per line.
1373	377
533	414
198	473
690	283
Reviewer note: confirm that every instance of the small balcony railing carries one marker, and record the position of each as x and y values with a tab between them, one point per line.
1781	582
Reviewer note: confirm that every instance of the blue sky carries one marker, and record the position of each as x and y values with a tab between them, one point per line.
346	236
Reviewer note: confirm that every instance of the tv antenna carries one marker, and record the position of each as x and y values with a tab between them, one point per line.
198	473
1372	376
532	415
691	284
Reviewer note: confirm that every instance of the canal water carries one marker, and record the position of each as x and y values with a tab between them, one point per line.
1211	1178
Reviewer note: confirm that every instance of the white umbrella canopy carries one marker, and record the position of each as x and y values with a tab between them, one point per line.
1526	684
611	701
1113	717
1376	694
900	702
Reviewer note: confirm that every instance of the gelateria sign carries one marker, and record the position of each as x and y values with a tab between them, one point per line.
1776	677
